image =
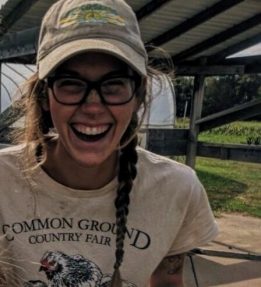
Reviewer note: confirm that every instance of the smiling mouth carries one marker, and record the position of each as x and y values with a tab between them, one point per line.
91	134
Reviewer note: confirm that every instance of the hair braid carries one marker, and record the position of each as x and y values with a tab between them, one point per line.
126	175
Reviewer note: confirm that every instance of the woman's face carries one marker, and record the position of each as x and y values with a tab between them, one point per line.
89	133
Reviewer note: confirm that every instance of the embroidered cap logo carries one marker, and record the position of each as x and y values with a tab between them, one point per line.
93	14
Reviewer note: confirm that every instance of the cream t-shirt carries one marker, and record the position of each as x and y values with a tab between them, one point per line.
52	235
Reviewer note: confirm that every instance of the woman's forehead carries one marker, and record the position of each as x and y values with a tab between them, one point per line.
93	65
94	59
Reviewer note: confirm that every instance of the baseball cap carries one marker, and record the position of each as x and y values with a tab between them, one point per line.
71	27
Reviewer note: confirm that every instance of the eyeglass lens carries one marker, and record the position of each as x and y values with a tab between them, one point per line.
113	91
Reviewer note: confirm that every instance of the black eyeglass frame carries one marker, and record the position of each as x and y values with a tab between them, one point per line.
96	85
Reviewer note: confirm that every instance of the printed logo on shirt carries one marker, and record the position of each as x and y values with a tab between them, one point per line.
59	229
75	270
92	14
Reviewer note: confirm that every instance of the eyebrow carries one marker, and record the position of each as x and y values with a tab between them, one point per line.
67	72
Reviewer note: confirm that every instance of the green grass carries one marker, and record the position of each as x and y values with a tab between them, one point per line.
231	186
234	133
240	132
215	138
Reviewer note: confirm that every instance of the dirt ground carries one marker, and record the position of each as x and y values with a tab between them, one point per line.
238	234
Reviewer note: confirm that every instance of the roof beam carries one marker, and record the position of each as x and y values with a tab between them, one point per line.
243	60
8	117
190	70
17	12
240	112
150	8
196	20
252	64
243	152
18	44
254	68
220	56
5	138
218	38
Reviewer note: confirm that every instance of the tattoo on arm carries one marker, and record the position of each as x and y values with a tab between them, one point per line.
169	272
173	264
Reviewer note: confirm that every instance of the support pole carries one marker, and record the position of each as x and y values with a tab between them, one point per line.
196	110
0	87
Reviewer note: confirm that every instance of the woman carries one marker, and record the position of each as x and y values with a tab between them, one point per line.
81	205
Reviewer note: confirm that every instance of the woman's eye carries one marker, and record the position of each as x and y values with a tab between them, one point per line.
115	82
114	85
70	83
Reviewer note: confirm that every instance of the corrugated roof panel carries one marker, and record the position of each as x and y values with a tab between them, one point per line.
33	16
137	4
219	23
178	45
212	27
170	15
237	14
232	41
181	43
9	6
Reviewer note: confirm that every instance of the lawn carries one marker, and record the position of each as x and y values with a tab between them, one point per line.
238	133
232	186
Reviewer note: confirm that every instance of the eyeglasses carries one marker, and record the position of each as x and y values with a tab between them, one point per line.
113	90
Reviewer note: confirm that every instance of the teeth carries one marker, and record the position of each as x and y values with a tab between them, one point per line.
91	130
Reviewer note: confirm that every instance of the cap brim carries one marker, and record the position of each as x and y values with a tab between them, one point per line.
118	49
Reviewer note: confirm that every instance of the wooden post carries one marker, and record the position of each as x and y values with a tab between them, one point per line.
0	87
196	110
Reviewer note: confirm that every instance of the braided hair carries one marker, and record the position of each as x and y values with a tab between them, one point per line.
126	175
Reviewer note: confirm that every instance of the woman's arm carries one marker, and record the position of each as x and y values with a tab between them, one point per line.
169	273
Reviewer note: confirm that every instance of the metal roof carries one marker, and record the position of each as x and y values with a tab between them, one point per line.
202	32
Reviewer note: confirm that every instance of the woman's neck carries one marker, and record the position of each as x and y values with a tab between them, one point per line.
69	173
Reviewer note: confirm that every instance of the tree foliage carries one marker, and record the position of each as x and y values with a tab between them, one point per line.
184	92
220	92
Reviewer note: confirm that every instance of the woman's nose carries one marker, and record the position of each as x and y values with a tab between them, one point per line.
93	97
93	104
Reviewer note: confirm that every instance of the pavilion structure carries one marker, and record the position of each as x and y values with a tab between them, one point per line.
198	35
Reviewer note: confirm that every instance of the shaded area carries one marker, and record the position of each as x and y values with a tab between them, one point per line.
221	190
219	271
231	186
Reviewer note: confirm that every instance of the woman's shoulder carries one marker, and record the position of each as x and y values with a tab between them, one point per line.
10	157
166	178
156	163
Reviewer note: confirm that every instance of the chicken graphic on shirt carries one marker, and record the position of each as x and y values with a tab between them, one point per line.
35	283
63	270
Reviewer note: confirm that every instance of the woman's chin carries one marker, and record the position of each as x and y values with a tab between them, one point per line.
93	160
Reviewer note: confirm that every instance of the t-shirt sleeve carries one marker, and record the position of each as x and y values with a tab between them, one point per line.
199	226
